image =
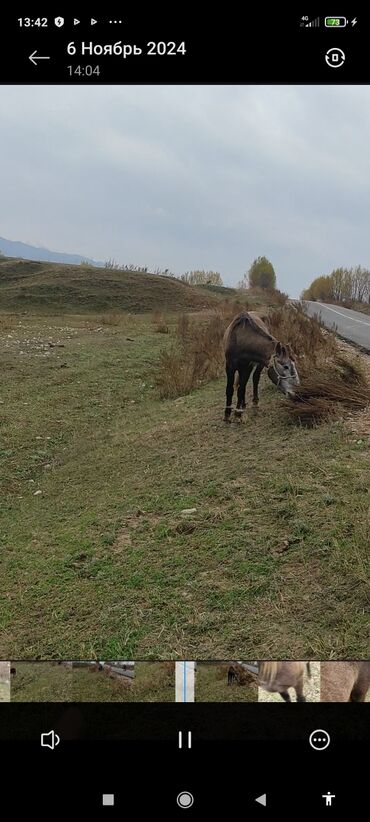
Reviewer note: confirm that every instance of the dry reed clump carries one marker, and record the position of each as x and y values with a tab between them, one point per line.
160	323
344	387
195	357
279	296
265	296
111	318
230	308
9	321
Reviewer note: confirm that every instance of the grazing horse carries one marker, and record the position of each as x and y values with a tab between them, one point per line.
231	675
344	681
279	676
249	345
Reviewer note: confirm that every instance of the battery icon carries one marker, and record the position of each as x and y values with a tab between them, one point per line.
335	22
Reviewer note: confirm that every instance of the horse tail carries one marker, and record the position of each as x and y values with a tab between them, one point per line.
267	672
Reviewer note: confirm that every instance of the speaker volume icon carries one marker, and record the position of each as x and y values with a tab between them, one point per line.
50	740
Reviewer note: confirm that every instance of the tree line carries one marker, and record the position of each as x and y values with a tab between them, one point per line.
342	285
261	274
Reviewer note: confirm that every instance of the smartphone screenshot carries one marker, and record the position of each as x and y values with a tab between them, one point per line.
185	411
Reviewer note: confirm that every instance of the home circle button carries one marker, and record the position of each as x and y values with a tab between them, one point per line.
185	799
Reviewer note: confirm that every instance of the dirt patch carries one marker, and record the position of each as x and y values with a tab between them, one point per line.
359	421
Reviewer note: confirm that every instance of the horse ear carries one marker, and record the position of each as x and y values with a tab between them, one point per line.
291	353
278	349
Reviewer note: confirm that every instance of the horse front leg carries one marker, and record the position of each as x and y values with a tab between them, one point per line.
230	374
256	378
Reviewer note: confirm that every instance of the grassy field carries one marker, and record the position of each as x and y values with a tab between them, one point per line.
49	288
52	288
96	686
48	682
311	688
211	685
41	682
98	559
152	682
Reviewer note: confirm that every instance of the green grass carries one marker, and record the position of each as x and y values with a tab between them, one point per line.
275	562
211	685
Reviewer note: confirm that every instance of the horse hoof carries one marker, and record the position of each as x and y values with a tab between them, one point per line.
227	419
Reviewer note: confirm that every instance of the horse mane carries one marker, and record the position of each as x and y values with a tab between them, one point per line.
243	319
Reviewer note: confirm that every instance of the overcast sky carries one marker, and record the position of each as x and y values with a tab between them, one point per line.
186	177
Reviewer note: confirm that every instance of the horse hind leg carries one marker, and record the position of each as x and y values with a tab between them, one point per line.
285	696
299	690
244	374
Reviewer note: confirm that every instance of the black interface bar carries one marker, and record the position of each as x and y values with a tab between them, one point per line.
161	722
249	46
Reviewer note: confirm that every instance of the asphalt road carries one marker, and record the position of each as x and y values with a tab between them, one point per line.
351	325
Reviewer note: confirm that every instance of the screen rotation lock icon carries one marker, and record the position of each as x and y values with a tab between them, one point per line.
335	57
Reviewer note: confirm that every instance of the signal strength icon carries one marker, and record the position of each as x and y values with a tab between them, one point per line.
312	23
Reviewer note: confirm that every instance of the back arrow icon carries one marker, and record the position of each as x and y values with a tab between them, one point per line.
34	56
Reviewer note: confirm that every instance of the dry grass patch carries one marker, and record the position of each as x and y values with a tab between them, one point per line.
312	347
197	355
320	398
211	684
160	323
195	358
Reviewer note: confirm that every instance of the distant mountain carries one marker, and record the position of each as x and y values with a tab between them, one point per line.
12	248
